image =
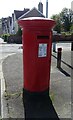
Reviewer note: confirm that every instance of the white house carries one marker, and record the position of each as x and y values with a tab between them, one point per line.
10	24
15	16
0	26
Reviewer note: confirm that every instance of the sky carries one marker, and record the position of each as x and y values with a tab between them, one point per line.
7	7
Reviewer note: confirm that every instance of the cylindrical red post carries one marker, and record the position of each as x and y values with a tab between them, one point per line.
37	41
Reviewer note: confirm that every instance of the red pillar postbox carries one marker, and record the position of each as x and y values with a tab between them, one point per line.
37	40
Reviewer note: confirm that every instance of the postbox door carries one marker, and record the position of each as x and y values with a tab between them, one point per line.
43	41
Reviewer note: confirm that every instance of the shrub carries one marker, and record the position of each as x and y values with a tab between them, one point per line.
5	37
14	39
71	28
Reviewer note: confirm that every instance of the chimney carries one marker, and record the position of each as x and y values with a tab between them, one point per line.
46	8
40	7
72	5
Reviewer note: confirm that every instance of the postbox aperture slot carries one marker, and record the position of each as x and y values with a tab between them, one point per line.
42	37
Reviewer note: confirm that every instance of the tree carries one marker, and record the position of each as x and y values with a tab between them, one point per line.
71	28
58	23
19	32
66	19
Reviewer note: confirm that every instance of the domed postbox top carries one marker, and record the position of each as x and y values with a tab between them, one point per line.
37	22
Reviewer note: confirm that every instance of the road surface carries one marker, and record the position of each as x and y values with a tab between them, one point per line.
9	49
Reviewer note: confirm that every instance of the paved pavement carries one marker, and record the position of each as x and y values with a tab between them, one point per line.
12	69
60	85
5	51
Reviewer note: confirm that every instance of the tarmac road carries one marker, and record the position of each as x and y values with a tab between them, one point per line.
60	84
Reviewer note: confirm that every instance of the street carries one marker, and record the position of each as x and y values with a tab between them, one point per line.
57	78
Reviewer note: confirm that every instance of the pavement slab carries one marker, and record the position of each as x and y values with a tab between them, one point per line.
60	87
12	69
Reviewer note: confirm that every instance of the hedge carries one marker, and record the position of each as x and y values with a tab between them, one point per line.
14	39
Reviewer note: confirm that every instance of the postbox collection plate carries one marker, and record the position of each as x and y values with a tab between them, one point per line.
42	50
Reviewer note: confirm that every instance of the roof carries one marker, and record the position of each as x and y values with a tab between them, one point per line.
19	13
32	13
